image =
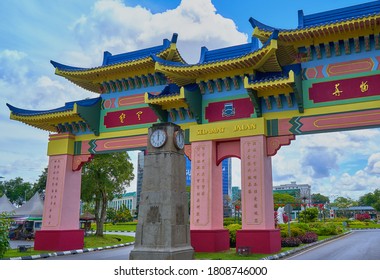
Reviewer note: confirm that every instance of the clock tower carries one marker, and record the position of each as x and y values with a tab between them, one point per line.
163	229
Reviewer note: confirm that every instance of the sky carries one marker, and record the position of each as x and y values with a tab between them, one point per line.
76	33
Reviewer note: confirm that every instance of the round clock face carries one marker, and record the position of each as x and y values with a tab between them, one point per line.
179	140
158	138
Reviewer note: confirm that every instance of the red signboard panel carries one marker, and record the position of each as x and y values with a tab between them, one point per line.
229	110
345	89
129	117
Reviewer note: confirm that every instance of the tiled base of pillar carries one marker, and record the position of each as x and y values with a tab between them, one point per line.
259	241
59	240
210	240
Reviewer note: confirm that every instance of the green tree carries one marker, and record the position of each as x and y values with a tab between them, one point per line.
88	207
17	190
318	198
343	202
105	177
283	198
40	185
111	215
371	199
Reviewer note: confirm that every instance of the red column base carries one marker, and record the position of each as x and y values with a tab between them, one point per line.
59	240
210	240
265	241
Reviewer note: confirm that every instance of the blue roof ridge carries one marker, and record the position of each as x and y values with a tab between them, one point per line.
255	23
327	17
142	52
65	67
67	107
337	15
221	54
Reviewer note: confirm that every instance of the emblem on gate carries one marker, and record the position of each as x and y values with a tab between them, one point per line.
228	110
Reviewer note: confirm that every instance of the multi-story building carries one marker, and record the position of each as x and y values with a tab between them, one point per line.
299	191
226	183
236	193
129	200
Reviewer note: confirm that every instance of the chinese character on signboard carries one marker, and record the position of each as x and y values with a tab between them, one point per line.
122	117
337	91
364	86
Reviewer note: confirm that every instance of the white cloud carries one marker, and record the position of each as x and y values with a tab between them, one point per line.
342	163
373	166
46	83
14	66
114	27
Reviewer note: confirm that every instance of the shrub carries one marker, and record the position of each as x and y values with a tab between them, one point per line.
363	217
232	228
4	230
309	215
290	242
230	221
308	237
295	230
328	229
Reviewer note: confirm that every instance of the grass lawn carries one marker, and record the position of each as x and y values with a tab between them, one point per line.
229	255
118	227
232	255
89	242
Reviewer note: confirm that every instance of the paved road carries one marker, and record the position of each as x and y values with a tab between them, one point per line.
358	245
108	254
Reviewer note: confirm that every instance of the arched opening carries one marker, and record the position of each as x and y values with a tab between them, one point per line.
226	151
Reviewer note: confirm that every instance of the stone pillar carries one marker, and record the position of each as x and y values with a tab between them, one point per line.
258	232
60	222
206	217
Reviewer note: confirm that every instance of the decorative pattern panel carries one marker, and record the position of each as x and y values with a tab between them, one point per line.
229	110
252	183
201	185
54	192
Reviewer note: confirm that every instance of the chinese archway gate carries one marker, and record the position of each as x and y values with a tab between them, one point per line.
244	101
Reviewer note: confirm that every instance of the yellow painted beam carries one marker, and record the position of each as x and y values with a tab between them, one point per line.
124	133
228	129
325	110
61	144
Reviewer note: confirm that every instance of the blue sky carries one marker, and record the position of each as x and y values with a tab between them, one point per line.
76	33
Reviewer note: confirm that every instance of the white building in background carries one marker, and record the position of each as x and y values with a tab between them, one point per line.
300	191
127	199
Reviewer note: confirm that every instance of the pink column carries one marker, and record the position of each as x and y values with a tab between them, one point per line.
60	222
258	232
206	217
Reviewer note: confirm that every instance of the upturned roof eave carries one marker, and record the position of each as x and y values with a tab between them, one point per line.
49	119
191	72
298	35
